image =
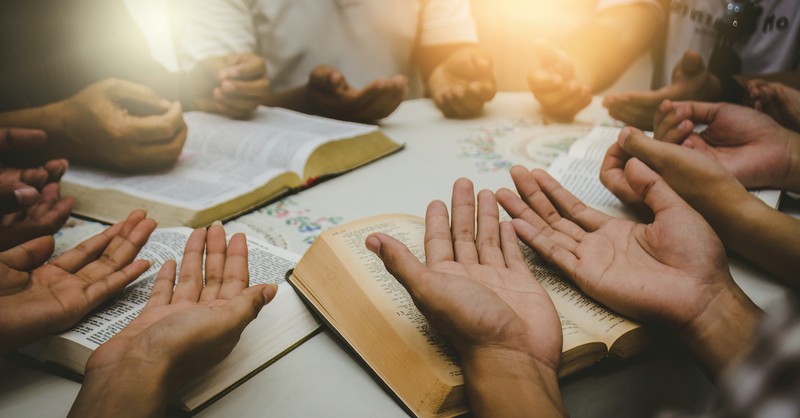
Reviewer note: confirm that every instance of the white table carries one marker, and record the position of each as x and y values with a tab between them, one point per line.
319	378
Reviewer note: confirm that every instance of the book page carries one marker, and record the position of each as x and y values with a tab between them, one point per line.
196	182
387	294
581	176
273	137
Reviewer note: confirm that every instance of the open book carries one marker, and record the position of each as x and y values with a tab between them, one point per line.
578	172
353	293
282	325
229	167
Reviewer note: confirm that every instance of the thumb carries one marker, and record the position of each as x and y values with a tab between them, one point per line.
654	191
29	255
397	258
17	196
692	63
650	151
140	100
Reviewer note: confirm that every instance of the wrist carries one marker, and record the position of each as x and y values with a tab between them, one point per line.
723	330
505	382
791	179
129	389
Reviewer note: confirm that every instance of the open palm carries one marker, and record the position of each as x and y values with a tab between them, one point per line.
666	271
477	290
38	300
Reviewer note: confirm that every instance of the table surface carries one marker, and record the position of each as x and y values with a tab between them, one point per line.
320	378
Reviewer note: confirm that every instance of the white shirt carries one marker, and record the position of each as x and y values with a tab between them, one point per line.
365	39
774	47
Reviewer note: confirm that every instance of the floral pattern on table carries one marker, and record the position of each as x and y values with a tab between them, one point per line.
300	219
528	142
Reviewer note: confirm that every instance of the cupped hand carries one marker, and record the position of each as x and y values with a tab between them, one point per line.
777	100
554	84
331	94
38	299
463	83
120	125
233	85
749	144
691	80
44	217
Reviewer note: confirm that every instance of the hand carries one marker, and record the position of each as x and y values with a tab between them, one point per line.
180	332
44	217
38	299
479	292
777	100
233	85
673	271
749	144
691	80
20	186
462	83
330	93
120	125
554	84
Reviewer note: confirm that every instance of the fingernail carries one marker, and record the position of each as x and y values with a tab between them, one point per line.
684	125
26	196
373	244
216	223
623	135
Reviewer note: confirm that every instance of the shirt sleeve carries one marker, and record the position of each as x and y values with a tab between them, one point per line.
210	28
447	22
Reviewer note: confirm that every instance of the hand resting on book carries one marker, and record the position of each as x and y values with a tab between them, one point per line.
38	299
672	271
183	330
478	291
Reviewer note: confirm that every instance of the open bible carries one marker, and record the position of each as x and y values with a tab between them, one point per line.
229	167
280	326
353	293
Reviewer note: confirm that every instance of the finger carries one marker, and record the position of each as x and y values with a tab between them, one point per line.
512	254
236	276
190	278
56	169
101	288
328	80
216	248
547	248
488	239
245	89
162	288
87	251
462	227
438	241
612	174
243	67
399	261
120	253
19	139
529	196
636	144
157	129
245	307
140	100
586	218
672	123
13	198
29	255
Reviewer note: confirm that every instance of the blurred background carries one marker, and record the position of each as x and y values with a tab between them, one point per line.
507	29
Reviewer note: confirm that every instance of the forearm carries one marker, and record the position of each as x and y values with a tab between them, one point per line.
49	118
724	331
296	98
761	234
626	32
125	392
502	383
791	180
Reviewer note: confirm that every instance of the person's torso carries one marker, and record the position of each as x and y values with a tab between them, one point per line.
773	47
